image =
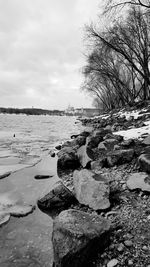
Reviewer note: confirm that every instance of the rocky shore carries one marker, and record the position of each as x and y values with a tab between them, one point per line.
101	204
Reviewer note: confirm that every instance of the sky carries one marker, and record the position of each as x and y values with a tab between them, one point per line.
41	52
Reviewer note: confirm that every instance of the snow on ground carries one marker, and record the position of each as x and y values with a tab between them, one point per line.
135	132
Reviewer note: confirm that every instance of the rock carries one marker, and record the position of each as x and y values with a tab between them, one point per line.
112	263
77	236
58	147
139	180
83	157
59	196
4	218
96	138
102	146
110	143
43	176
67	158
2	176
52	153
118	157
128	243
98	164
144	162
91	189
128	143
120	248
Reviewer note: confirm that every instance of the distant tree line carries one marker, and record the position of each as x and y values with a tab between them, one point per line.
117	65
31	111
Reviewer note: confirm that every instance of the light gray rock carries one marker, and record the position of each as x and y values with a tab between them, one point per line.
77	236
91	189
112	263
59	196
144	162
83	157
146	141
139	180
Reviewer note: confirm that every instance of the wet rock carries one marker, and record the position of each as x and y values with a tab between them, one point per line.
144	162
43	176
67	158
91	189
112	263
59	196
2	176
83	157
118	157
77	236
58	147
139	180
52	153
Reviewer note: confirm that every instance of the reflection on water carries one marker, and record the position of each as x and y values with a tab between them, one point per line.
26	241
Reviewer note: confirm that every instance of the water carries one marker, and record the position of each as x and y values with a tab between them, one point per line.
26	241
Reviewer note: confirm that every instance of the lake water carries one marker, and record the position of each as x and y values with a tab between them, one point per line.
26	141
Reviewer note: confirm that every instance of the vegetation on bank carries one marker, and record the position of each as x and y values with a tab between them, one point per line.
117	64
31	111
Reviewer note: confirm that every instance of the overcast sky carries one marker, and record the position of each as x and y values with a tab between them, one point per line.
41	46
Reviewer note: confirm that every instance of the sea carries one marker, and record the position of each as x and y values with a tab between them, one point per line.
25	145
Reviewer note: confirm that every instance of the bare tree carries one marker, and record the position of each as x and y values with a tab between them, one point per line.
117	69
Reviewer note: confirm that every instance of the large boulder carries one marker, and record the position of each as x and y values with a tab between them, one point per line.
77	236
91	189
144	162
139	180
59	196
118	157
67	158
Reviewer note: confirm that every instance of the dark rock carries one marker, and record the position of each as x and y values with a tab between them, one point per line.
144	162
2	176
67	158
110	143
58	147
77	237
118	157
91	189
140	181
43	176
59	196
52	153
98	164
128	143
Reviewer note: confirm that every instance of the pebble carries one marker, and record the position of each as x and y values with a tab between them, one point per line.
112	263
145	248
128	243
130	262
120	247
148	218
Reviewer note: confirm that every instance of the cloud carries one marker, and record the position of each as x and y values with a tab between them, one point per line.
41	52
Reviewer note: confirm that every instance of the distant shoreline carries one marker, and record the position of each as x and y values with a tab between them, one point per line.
31	111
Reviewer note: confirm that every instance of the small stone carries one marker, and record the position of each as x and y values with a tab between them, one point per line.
145	248
120	247
112	263
148	218
130	262
128	243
